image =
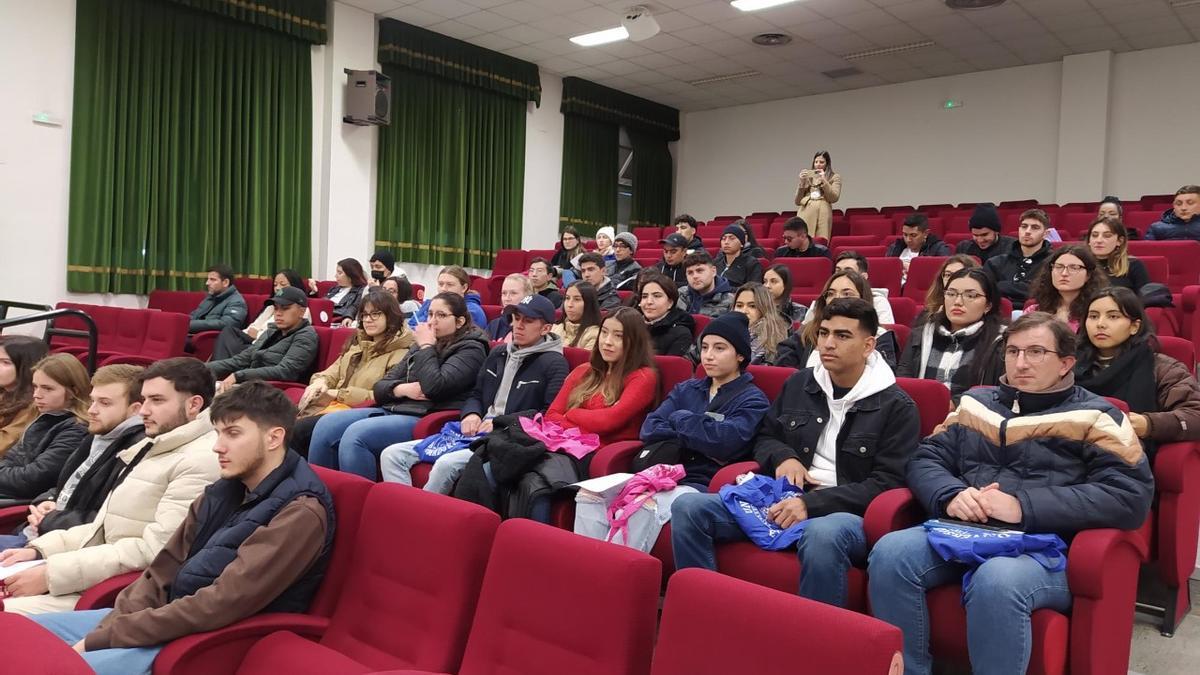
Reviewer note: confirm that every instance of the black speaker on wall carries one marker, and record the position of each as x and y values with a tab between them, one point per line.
368	98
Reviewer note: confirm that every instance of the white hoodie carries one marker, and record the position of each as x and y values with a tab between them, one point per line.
877	377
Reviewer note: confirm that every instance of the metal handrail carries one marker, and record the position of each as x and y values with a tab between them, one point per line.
6	304
92	333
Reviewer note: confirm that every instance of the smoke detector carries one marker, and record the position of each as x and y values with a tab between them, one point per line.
771	39
639	23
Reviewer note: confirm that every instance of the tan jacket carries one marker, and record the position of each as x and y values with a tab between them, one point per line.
831	192
11	433
351	377
140	515
567	330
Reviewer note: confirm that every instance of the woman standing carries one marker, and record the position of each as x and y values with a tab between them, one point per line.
1066	284
778	280
767	328
437	374
670	327
18	355
818	190
1108	240
580	325
60	395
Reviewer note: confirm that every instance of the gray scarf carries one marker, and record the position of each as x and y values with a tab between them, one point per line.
99	445
549	343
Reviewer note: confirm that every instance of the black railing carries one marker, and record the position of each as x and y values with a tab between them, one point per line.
49	315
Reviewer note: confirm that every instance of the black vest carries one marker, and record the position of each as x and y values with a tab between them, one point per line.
228	515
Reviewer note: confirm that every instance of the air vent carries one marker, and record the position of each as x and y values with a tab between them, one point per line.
724	78
842	72
973	4
771	39
1179	4
885	51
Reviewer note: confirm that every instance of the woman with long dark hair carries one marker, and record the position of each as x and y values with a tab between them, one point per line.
933	297
959	344
570	247
18	355
799	351
818	190
347	294
1118	357
1108	240
670	327
778	280
1066	284
581	316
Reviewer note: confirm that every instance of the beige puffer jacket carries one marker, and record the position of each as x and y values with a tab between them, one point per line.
140	515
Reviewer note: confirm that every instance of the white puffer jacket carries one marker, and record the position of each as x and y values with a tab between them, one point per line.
140	515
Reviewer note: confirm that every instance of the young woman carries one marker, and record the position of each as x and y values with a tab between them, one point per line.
234	340
799	351
1117	357
933	298
351	284
611	394
401	289
382	341
1066	284
818	190
436	374
18	354
1108	240
778	280
958	344
767	328
604	245
670	327
516	287
1110	207
454	279
580	325
570	247
60	394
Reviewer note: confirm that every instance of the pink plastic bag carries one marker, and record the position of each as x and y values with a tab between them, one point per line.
570	440
643	486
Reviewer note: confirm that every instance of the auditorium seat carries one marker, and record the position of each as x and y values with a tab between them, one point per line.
646	234
808	274
713	623
508	261
492	312
255	285
545	253
922	272
1183	257
850	241
905	310
879	227
320	311
885	273
30	649
182	302
135	336
901	331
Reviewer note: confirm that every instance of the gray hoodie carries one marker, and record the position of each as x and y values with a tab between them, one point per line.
549	343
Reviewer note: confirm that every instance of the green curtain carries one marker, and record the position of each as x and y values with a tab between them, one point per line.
303	19
601	103
588	200
451	171
191	144
652	181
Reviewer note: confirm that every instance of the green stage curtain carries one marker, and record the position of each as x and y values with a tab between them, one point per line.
191	144
302	19
588	99
589	174
652	181
451	171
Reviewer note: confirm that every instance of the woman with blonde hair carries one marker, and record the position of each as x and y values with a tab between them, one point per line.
767	327
60	393
1108	240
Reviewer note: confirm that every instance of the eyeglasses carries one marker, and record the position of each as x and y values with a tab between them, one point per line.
1034	355
847	293
1059	268
441	316
620	244
374	316
969	296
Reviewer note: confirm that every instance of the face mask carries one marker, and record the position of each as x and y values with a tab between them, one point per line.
378	276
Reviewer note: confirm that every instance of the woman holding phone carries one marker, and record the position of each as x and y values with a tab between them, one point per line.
819	188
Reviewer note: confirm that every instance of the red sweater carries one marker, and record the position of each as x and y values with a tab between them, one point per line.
619	422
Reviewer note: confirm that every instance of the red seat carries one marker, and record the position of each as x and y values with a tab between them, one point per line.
30	649
701	322
165	336
544	253
808	274
323	287
507	261
1157	267
222	650
879	227
904	310
646	234
1184	257
713	623
953	239
865	251
576	357
256	286
138	336
1165	320
420	561
885	273
182	302
922	271
902	332
320	311
848	242
956	222
519	626
492	312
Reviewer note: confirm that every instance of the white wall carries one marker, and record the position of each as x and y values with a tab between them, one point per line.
543	167
895	145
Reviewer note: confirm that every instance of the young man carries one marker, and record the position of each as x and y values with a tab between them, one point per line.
986	242
1037	454
916	240
257	540
706	293
623	274
159	478
855	261
797	243
514	288
685	225
735	264
286	351
522	376
93	470
224	305
1015	269
541	276
591	268
1179	221
671	266
842	431
383	265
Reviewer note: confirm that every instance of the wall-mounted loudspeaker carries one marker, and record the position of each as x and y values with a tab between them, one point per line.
368	98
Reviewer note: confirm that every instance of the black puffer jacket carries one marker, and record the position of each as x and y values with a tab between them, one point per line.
1014	272
446	377
672	334
31	467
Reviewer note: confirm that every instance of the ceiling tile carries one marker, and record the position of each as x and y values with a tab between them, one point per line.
487	21
456	29
654	60
700	35
1027	28
559	46
818	29
446	8
790	15
1074	20
529	53
591	56
520	11
1089	35
874	18
524	34
560	6
836	8
596	17
375	6
895	34
561	26
673	21
485	4
732	46
918	10
714	11
1043	8
1177	37
1149	27
559	64
415	16
1009	12
664	42
690	53
494	41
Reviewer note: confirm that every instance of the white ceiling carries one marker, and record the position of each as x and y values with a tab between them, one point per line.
703	38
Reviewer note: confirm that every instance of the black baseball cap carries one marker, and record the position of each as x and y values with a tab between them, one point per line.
675	240
533	307
289	295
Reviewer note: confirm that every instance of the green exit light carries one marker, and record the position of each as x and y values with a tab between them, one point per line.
951	103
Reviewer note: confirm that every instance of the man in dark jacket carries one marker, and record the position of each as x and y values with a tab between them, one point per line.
685	226
93	470
843	431
1180	221
916	240
624	272
1014	269
286	351
986	242
541	277
591	269
735	264
224	305
521	377
222	564
797	243
1036	454
671	266
707	293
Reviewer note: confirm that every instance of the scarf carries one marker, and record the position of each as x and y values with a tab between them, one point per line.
944	352
1129	377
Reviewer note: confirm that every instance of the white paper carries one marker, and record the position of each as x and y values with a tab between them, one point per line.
7	571
603	483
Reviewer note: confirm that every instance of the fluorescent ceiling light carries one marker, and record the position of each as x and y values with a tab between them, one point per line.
601	37
885	51
753	5
724	78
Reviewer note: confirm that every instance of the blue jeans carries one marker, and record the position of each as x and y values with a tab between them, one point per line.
351	440
1002	595
73	626
8	541
830	546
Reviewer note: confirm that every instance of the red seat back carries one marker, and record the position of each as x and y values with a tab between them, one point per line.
902	332
507	261
321	311
1165	320
519	624
256	286
329	344
671	371
1158	268
878	227
932	399
182	302
166	333
808	274
701	322
1179	349
1184	257
904	310
349	493
492	311
921	272
866	251
848	242
646	235
106	319
885	273
771	379
323	287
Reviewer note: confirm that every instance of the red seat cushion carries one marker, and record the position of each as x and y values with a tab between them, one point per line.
287	652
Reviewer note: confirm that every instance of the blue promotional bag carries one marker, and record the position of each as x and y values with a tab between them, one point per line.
969	545
749	500
449	439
